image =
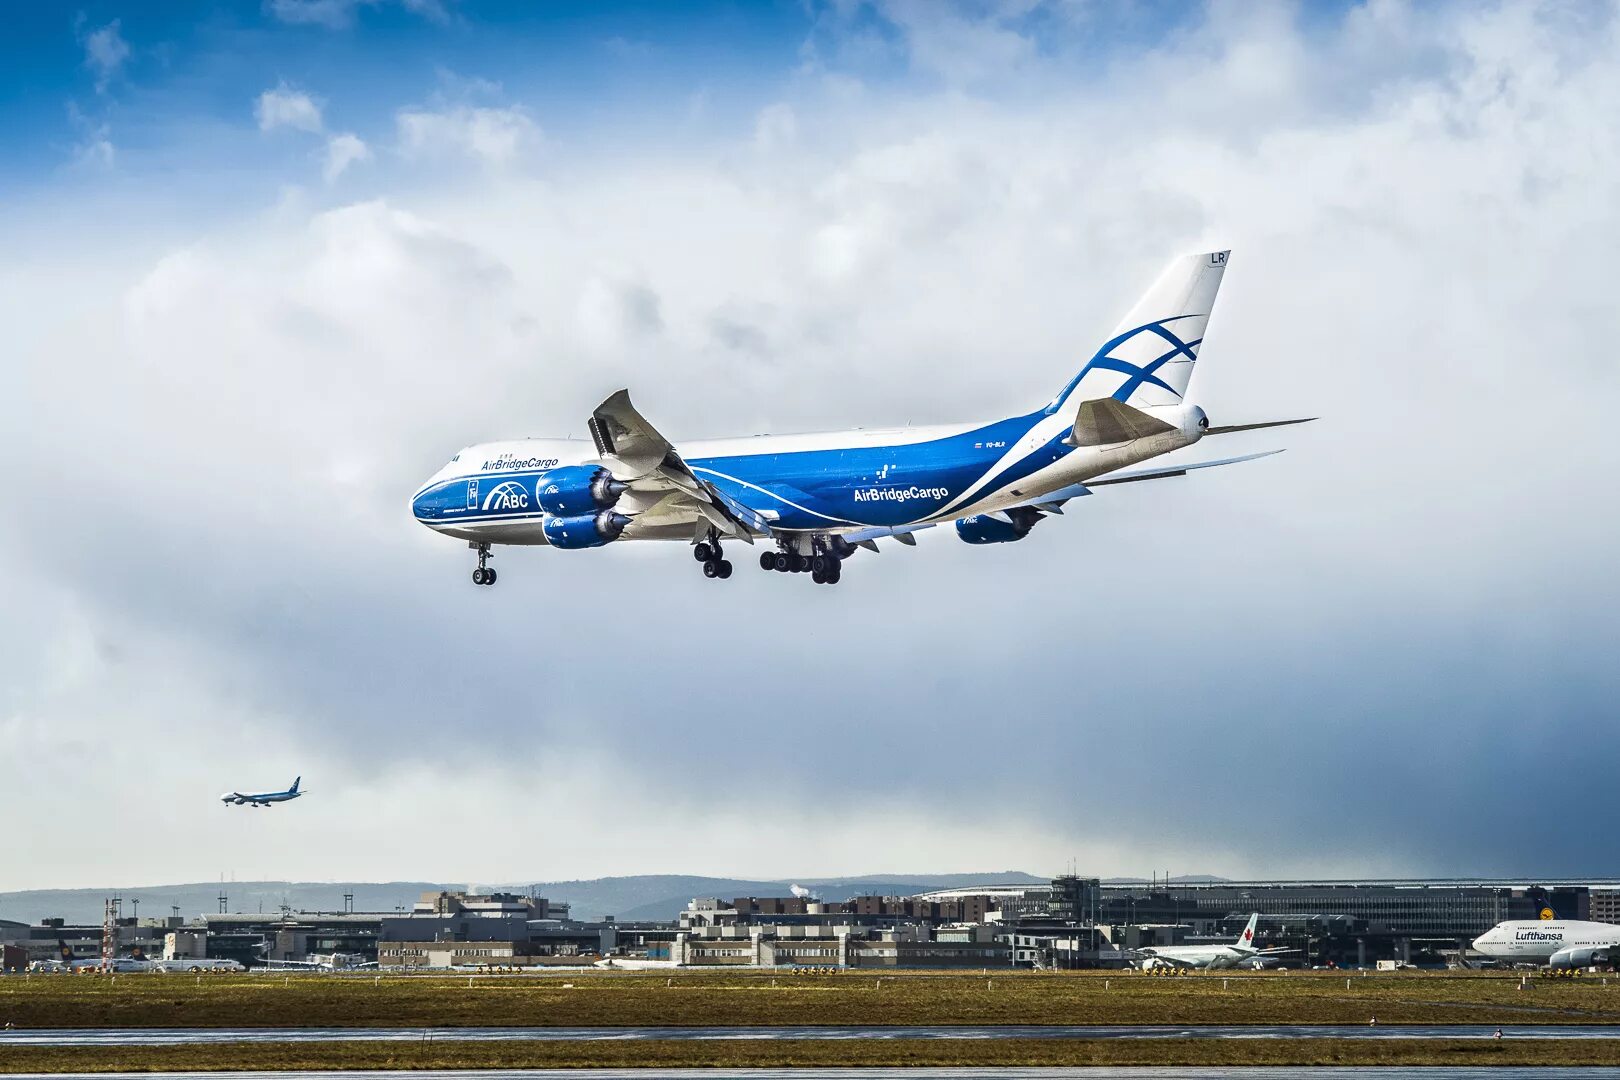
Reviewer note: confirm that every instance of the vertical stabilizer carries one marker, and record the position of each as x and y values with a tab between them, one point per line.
296	781
1246	939
1149	358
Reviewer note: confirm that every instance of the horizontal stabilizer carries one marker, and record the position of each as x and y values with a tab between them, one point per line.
1175	470
1227	429
1104	421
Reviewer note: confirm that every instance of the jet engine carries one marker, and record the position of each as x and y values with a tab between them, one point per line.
1586	956
577	489
1001	528
584	530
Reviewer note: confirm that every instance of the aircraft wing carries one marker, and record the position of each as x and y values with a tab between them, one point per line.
664	491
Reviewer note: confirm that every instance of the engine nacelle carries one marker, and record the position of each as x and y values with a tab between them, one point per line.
584	530
1580	957
998	528
577	489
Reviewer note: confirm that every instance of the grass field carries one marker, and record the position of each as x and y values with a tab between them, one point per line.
622	1000
759	1054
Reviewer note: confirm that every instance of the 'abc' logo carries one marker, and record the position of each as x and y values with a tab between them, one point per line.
507	496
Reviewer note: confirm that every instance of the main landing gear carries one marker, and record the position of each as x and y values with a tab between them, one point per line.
824	565
484	575
707	552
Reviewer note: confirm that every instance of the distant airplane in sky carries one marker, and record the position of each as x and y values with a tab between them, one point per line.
815	500
237	798
1558	943
1241	951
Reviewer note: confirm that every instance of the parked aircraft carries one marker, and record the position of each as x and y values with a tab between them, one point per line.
1238	954
191	964
814	500
238	799
322	962
1552	942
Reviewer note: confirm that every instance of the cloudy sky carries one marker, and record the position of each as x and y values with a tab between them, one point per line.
267	265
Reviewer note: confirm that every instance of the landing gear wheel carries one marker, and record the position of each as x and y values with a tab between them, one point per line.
818	563
724	568
703	552
767	560
711	568
782	561
801	563
483	575
818	575
833	574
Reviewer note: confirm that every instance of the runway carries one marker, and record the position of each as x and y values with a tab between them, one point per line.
206	1036
1167	1072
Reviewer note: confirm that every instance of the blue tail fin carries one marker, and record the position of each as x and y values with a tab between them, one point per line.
296	781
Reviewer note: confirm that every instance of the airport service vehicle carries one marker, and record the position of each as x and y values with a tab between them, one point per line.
236	798
1556	943
814	500
1239	953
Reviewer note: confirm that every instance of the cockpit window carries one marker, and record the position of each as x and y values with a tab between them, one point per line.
456	458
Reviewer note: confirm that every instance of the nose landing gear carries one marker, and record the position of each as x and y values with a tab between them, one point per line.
715	563
484	575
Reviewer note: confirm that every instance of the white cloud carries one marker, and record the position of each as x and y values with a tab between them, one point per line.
286	107
775	127
94	147
342	151
105	52
1421	211
493	136
340	14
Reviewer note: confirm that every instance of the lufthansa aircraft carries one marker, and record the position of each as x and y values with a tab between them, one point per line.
816	499
1557	943
238	799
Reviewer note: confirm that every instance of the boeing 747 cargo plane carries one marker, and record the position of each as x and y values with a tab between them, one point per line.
814	500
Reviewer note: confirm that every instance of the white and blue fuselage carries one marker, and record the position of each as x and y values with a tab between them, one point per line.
833	482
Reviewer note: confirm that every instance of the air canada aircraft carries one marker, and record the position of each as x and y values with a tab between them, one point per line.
813	500
1242	951
238	799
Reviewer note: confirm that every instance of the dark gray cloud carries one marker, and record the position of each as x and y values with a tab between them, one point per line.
1355	657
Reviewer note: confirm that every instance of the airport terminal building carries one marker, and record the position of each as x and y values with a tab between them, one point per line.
1344	923
1069	922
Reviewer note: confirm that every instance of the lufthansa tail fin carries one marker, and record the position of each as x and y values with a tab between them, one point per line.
1149	358
1246	939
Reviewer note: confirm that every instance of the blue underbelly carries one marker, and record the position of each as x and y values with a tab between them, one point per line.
882	486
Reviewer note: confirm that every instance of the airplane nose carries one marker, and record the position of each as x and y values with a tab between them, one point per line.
428	504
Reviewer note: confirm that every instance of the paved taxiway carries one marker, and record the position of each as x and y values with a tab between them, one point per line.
1157	1072
204	1036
